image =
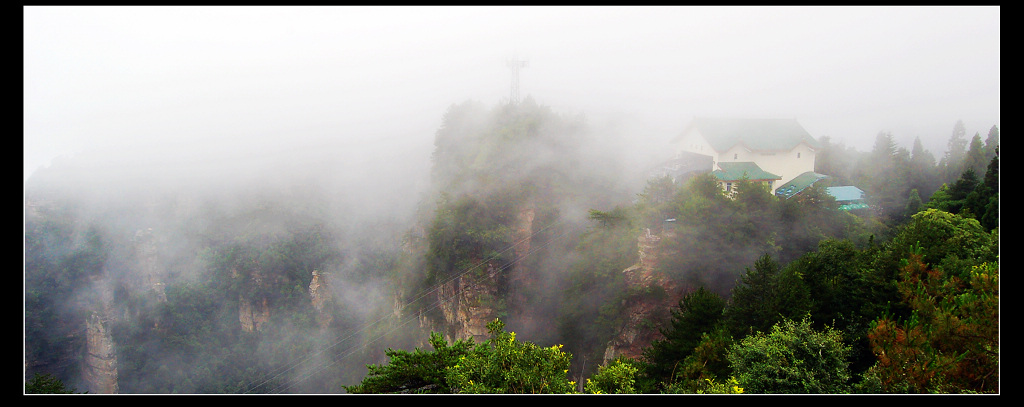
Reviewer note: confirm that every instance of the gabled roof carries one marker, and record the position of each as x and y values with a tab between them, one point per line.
845	194
735	171
798	184
755	134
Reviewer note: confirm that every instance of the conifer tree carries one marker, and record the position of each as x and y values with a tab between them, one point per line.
952	162
975	159
698	312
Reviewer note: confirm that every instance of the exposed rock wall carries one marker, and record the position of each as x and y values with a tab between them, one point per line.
320	295
253	313
643	315
468	304
520	279
252	316
99	366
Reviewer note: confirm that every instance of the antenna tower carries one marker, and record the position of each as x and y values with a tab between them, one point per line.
516	65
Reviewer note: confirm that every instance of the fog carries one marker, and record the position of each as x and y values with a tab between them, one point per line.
332	112
122	82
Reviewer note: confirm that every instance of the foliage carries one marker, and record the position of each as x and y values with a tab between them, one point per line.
45	383
618	377
504	365
983	201
843	292
950	343
706	364
594	287
699	312
618	217
418	371
64	254
709	386
792	358
975	159
952	163
742	230
465	233
970	197
922	173
767	294
948	241
914	204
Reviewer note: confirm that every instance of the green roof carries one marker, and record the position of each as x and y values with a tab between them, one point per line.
853	206
798	184
735	171
755	134
846	193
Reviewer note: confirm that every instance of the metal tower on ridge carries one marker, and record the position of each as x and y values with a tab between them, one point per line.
516	65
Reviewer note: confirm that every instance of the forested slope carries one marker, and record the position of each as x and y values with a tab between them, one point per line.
520	242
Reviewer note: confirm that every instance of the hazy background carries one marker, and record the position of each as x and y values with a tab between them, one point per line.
215	87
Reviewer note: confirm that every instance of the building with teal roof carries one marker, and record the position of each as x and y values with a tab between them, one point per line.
848	197
730	173
780	147
799	184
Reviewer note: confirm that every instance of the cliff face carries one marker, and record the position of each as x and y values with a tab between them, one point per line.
99	366
645	315
253	313
145	250
470	302
320	294
521	281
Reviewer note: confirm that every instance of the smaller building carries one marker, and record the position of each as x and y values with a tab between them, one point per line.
848	197
729	174
682	167
799	184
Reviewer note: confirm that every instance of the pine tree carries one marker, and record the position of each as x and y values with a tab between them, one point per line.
975	159
952	162
699	312
991	143
922	172
950	343
766	295
913	204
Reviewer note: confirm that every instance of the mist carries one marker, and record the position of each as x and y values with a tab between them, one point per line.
207	124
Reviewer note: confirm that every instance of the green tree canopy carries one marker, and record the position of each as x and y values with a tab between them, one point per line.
950	341
418	371
793	358
45	383
617	377
699	311
504	365
767	294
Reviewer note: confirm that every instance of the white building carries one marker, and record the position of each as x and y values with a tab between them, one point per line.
774	151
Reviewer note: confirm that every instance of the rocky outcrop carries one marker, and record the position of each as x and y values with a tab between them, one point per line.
99	366
471	301
644	315
468	304
320	296
145	247
253	313
252	316
520	279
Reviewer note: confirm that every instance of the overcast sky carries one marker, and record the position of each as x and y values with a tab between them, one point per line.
135	80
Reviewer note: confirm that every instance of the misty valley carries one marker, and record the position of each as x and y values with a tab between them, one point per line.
533	252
